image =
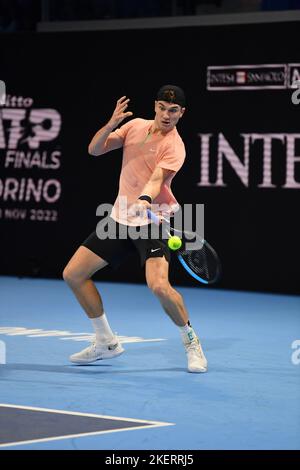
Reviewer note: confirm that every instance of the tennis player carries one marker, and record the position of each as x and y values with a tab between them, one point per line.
153	152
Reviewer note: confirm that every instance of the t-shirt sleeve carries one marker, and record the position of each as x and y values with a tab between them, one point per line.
172	158
123	130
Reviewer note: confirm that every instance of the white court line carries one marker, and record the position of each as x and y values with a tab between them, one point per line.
150	424
67	335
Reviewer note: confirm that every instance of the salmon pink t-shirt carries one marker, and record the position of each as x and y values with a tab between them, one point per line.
142	154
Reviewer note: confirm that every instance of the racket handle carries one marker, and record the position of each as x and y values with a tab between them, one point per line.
153	217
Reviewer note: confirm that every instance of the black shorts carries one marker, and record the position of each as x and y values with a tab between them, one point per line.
115	249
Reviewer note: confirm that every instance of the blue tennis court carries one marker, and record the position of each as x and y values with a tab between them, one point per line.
146	399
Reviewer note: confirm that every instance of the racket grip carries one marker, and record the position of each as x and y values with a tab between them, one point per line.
153	217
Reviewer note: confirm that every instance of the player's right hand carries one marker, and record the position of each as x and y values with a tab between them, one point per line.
120	112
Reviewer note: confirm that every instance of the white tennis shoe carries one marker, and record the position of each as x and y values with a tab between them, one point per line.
96	352
197	361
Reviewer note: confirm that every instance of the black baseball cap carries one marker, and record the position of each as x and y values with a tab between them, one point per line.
171	94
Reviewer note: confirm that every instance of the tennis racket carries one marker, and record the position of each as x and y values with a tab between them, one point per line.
196	255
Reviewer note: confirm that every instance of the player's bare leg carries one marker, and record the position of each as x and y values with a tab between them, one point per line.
77	274
157	276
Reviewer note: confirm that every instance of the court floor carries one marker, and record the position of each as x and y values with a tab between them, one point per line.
146	399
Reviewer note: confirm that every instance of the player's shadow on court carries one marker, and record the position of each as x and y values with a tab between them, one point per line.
88	369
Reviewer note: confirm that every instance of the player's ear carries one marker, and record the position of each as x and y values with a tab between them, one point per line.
182	112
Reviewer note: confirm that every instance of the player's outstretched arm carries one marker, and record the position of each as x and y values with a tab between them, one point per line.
102	141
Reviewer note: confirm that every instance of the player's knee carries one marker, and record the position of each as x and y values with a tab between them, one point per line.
159	288
67	275
71	277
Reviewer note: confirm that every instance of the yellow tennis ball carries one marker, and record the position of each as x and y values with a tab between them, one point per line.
174	243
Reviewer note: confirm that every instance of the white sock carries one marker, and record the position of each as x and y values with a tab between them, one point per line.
102	329
187	332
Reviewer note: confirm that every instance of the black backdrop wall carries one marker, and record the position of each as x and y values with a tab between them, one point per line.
243	145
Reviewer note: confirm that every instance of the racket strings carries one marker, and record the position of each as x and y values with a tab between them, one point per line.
202	262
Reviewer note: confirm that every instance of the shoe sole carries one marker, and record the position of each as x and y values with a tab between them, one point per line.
104	356
197	371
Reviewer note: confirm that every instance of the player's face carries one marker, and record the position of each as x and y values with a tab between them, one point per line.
167	115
